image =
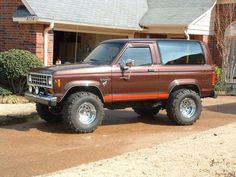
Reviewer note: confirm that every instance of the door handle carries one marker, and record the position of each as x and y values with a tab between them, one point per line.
151	70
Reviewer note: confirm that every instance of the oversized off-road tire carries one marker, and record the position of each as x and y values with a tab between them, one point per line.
146	111
49	114
83	112
184	107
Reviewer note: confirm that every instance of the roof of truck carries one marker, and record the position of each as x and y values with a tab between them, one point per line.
144	40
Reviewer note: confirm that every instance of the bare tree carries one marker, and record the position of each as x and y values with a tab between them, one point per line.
225	16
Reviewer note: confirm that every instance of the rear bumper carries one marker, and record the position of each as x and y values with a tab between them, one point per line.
46	100
214	94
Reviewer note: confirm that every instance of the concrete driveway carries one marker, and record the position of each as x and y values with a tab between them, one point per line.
36	148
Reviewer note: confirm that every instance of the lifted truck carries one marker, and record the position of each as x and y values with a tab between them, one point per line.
145	74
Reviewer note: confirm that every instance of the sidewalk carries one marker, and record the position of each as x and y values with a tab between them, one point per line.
17	109
11	114
211	153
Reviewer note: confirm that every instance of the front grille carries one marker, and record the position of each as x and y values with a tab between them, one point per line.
42	80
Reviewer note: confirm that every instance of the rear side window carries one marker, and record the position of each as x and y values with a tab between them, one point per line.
181	52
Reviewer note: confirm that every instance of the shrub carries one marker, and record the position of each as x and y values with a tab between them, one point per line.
14	65
220	82
5	91
11	99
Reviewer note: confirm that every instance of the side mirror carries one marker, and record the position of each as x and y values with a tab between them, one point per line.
123	67
129	63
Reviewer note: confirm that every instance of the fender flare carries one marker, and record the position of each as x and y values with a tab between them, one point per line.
82	83
183	82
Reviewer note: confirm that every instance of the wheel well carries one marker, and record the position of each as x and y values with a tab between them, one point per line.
90	89
189	86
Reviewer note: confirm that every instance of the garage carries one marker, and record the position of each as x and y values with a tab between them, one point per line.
73	47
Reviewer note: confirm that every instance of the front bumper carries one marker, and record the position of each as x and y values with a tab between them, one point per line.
46	100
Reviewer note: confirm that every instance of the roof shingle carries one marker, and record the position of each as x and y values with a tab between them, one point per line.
116	13
127	14
174	12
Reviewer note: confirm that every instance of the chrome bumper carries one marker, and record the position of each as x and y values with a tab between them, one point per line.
46	100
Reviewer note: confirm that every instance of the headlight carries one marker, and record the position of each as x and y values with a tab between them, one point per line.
49	80
29	78
30	89
36	90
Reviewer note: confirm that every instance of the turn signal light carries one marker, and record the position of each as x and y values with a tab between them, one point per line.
58	82
214	79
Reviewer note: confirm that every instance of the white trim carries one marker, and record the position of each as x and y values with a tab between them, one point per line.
166	25
205	13
187	34
191	29
199	32
89	25
92	31
166	29
45	34
42	20
18	19
28	7
26	20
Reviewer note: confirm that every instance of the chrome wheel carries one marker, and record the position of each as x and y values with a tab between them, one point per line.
188	107
86	113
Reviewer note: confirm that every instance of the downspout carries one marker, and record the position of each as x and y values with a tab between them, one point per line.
186	34
45	33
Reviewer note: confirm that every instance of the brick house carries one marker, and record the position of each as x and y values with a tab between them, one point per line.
69	29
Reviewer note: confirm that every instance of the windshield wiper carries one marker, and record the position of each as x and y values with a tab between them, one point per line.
97	61
93	60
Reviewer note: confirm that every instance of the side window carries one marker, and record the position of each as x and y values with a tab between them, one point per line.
140	55
181	52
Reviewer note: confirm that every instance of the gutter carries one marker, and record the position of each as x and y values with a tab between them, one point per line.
36	19
186	34
45	34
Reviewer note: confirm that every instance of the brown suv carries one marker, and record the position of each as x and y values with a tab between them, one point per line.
145	74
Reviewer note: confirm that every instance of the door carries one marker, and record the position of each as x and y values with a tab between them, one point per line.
139	80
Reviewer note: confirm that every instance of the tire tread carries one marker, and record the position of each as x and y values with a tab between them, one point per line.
67	111
45	114
173	102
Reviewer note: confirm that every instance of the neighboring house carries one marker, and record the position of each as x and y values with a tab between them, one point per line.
69	29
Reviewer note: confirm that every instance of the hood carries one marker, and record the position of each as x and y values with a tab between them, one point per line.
66	69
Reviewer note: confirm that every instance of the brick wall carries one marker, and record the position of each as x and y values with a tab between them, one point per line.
21	36
212	40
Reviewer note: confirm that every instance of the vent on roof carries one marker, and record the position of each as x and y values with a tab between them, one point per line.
21	7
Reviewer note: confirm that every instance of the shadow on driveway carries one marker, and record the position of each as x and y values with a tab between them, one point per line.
118	117
111	118
223	108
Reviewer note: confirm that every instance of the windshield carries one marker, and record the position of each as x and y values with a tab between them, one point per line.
104	54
